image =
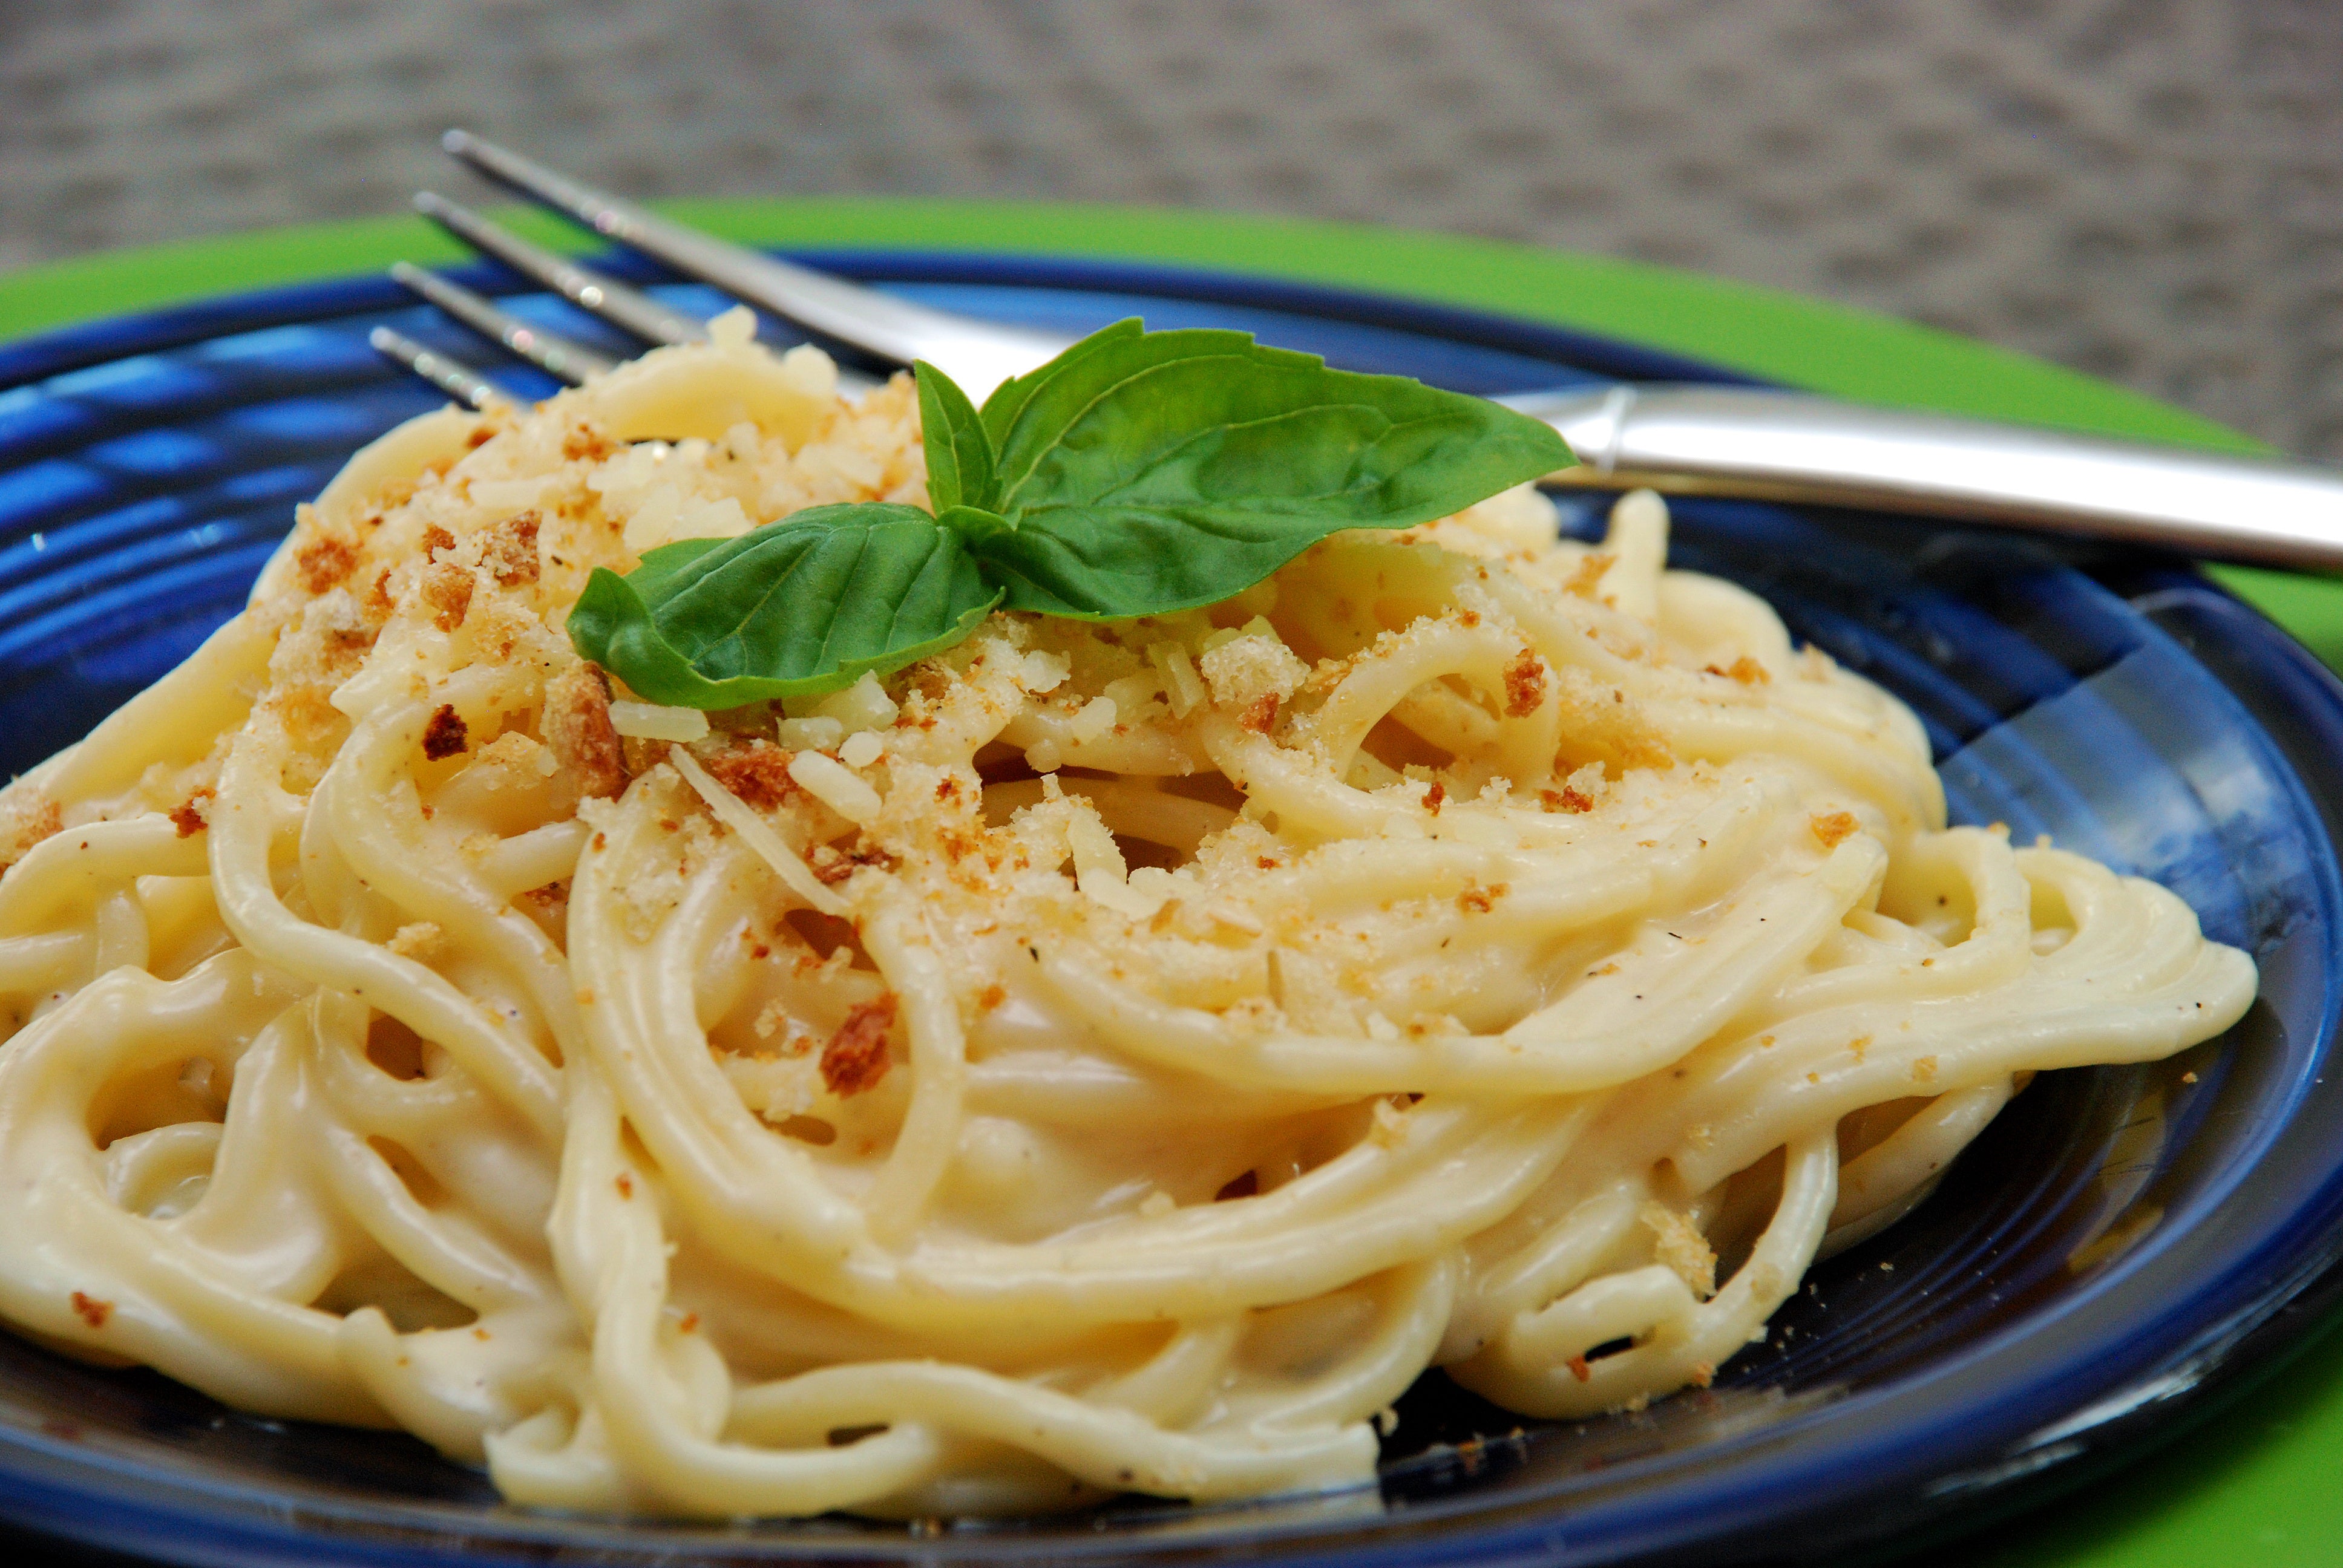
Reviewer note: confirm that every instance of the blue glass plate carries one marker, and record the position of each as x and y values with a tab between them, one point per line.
2115	1249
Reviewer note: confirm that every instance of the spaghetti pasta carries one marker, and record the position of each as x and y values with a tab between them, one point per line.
1103	1056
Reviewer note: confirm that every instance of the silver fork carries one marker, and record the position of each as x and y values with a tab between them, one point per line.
1681	439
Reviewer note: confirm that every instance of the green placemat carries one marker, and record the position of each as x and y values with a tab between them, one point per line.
2251	1486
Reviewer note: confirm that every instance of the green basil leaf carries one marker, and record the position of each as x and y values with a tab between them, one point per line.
794	609
1141	473
960	451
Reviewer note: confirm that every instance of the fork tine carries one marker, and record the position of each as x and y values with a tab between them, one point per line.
979	355
550	352
442	372
629	309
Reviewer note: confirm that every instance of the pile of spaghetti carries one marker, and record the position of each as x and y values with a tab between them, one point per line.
1105	1055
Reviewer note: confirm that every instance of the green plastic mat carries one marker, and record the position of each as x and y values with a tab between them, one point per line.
2253	1484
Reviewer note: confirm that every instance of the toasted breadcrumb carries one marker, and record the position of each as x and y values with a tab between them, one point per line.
576	725
1833	827
855	1059
1677	1242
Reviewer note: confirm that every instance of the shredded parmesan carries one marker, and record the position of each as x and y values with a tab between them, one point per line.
649	721
830	782
1179	679
810	734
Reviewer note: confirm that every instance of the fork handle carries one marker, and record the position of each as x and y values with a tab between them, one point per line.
1787	446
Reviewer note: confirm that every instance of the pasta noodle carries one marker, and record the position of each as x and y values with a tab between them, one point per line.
1102	1057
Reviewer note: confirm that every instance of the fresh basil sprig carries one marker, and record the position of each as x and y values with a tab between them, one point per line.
1138	473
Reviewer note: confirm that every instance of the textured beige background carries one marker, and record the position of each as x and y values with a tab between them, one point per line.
2151	190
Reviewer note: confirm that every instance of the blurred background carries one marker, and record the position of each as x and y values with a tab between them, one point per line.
2147	190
